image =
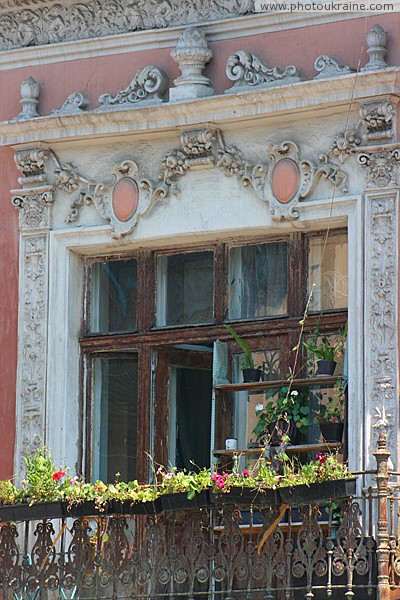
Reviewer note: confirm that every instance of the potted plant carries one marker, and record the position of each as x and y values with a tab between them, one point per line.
286	412
250	373
326	352
330	417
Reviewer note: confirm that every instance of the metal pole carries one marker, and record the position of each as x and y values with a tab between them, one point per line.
382	539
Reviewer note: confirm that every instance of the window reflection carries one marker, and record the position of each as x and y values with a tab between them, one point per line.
258	281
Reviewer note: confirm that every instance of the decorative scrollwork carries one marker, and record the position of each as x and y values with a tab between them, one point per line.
148	85
249	71
10	568
351	554
310	554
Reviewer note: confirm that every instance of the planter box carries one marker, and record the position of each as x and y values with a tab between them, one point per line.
85	509
247	496
315	492
7	513
181	502
138	508
36	512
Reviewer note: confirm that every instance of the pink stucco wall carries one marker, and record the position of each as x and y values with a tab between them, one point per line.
8	310
301	46
98	75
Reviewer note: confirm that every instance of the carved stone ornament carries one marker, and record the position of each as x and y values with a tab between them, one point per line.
148	85
30	90
32	335
127	197
31	163
34	25
382	268
291	180
344	144
34	206
382	168
249	71
376	41
73	105
328	66
378	120
192	54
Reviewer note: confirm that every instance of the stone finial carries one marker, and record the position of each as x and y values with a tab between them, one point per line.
376	41
192	54
30	90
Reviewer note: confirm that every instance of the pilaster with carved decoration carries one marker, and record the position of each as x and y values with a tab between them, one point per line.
381	319
34	205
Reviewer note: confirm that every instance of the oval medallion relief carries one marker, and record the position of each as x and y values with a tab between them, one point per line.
125	198
285	180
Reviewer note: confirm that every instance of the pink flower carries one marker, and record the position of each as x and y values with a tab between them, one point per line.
246	473
220	484
322	458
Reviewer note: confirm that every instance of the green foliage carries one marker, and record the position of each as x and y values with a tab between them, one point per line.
326	467
322	348
331	410
285	404
44	483
175	481
40	484
247	360
9	494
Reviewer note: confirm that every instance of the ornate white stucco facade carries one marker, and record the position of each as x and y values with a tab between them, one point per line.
202	162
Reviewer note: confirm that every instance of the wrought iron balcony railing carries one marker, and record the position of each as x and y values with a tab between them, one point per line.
223	552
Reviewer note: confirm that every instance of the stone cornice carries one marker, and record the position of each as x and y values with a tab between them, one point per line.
132	41
30	24
273	103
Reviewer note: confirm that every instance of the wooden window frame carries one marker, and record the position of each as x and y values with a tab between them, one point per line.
149	337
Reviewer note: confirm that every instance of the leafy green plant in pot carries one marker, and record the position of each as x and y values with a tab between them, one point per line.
325	351
330	417
250	373
285	413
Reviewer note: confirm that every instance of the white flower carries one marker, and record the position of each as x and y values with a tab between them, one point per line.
259	408
294	393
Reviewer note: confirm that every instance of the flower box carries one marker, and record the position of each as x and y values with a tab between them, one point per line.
326	490
137	508
85	509
34	512
248	496
180	501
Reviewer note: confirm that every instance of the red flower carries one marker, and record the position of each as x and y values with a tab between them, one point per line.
246	473
98	488
322	458
58	475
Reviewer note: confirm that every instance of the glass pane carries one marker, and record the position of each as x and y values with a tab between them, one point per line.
258	281
328	271
185	289
113	300
269	361
191	426
115	418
